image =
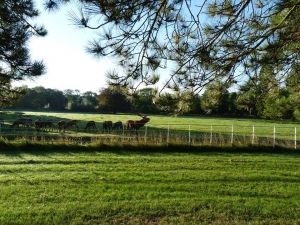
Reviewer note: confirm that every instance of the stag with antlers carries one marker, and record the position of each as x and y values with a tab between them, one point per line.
137	124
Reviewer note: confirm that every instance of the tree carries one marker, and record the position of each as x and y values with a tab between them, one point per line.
143	101
205	41
15	62
112	99
32	99
90	101
75	99
55	99
215	99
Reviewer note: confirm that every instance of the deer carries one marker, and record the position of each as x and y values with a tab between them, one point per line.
61	124
89	125
117	125
43	124
107	125
137	124
71	123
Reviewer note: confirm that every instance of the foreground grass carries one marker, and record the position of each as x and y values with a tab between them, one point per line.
129	185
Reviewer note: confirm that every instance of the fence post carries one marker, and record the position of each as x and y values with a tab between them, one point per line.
189	134
232	134
274	137
295	138
210	141
123	132
145	134
168	135
253	135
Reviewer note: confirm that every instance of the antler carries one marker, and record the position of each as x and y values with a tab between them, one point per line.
141	115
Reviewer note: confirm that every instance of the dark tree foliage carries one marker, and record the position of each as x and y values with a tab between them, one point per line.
55	99
32	100
205	40
113	100
143	101
15	63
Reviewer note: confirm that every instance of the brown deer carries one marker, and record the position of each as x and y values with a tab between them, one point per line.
24	122
117	125
43	124
107	125
71	123
89	125
137	124
61	124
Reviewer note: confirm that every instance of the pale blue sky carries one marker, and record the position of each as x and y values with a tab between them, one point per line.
68	65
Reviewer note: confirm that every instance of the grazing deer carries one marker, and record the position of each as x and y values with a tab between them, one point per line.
43	124
117	125
137	124
24	122
107	125
61	124
89	125
71	123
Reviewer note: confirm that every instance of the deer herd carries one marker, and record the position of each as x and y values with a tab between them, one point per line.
62	125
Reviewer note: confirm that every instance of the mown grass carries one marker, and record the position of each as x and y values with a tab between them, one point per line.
128	184
196	130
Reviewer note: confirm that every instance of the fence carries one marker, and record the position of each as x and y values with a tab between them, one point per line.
166	134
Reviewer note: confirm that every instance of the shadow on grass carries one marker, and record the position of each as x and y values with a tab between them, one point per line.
37	148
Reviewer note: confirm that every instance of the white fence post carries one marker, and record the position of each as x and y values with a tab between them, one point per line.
145	134
168	135
189	134
210	141
253	132
123	132
295	138
232	134
274	137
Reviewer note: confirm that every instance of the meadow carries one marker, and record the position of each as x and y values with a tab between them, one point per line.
163	129
117	182
77	185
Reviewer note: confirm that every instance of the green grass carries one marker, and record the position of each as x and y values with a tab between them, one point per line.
45	184
182	129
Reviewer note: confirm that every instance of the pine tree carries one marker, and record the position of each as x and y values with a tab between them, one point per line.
202	40
15	62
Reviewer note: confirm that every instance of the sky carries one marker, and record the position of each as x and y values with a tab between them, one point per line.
63	52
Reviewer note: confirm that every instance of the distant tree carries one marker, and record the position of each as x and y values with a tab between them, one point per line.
113	100
32	100
278	105
246	101
56	100
215	98
143	101
75	99
15	63
89	101
166	103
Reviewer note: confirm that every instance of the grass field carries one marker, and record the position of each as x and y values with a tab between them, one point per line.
196	130
131	183
76	185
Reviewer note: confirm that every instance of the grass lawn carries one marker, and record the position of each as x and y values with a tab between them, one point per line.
130	186
181	129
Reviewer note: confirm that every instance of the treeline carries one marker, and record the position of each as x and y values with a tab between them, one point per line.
274	103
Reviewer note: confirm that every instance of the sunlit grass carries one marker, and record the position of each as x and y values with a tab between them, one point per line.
162	129
89	186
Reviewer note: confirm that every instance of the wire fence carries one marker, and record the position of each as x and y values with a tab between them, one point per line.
285	136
